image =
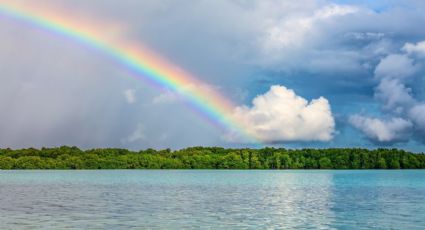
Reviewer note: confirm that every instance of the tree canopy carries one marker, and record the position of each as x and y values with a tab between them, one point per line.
209	158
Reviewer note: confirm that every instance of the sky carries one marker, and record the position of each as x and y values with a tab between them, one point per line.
307	73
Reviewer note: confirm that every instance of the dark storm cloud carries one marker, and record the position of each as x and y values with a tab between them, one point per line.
317	48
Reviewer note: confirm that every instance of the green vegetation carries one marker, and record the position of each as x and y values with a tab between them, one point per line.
209	158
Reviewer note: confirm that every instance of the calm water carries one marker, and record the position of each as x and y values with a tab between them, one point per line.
175	199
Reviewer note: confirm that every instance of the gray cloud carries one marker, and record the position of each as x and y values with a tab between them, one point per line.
56	92
418	48
130	96
395	66
383	131
395	73
317	48
416	114
394	95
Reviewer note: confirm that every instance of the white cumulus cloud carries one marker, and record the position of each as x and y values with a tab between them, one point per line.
280	115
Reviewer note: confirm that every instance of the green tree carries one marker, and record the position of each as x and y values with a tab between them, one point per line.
394	164
325	163
382	164
6	162
208	157
233	161
29	162
285	162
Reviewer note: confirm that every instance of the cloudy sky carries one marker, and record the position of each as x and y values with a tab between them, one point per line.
301	73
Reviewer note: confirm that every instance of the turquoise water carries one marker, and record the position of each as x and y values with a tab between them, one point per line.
193	199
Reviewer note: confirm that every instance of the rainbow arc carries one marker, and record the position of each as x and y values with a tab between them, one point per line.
144	63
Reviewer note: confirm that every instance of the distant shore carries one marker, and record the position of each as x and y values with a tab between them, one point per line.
210	158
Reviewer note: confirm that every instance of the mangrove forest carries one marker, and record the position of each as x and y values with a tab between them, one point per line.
209	158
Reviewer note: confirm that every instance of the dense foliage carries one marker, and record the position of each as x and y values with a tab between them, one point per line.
209	158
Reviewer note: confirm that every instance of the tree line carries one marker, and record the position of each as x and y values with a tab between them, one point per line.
209	158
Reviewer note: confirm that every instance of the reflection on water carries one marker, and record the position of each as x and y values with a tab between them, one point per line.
212	199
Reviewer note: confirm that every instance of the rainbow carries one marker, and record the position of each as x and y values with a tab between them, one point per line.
140	61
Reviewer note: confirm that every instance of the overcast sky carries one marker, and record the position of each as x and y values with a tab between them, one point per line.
301	74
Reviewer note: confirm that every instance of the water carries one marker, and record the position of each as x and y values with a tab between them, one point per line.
176	199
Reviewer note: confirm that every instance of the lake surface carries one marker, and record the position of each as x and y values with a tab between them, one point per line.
193	199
